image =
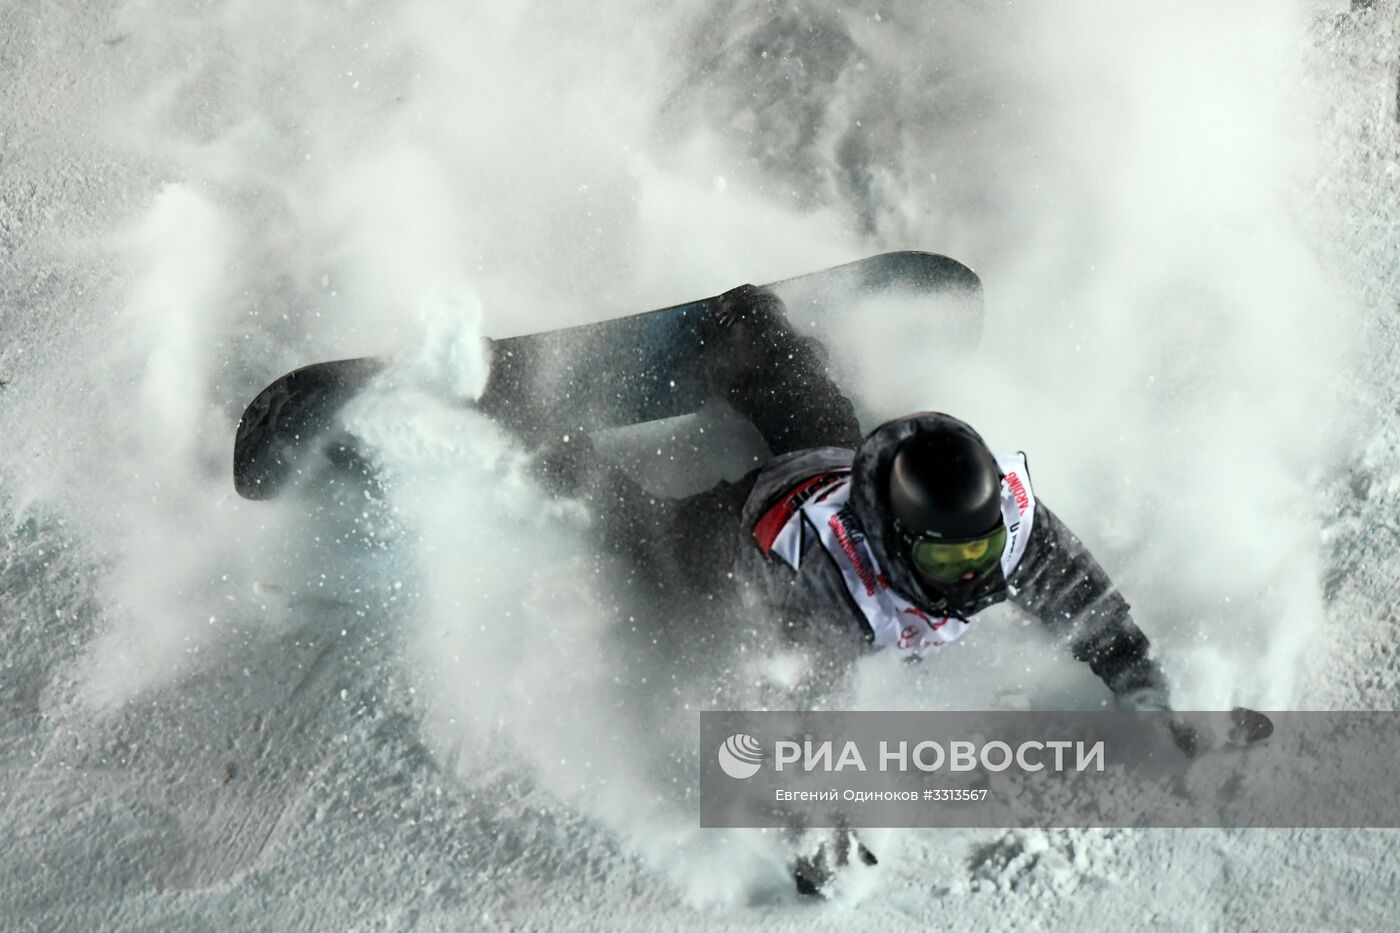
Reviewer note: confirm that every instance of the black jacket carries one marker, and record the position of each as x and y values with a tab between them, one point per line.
1057	580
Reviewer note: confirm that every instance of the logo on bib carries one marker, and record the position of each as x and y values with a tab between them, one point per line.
848	538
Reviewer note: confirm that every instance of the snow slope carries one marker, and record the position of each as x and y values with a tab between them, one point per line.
427	711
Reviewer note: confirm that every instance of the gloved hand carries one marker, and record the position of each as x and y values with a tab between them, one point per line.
1186	737
1247	726
1153	700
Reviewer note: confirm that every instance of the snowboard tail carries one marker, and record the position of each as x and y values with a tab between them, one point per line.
622	371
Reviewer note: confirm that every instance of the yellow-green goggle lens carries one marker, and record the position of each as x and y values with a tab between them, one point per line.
945	562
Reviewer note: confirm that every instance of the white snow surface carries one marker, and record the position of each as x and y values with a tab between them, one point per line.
427	711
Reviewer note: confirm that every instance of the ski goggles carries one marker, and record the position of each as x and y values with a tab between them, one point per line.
947	561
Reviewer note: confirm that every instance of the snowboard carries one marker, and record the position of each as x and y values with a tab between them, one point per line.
622	371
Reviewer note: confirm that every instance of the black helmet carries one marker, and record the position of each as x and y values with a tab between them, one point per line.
944	497
944	484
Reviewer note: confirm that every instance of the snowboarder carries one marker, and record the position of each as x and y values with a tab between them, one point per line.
895	540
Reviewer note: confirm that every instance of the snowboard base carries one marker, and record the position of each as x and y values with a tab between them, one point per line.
623	371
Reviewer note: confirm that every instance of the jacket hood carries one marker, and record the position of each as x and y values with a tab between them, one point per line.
869	479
